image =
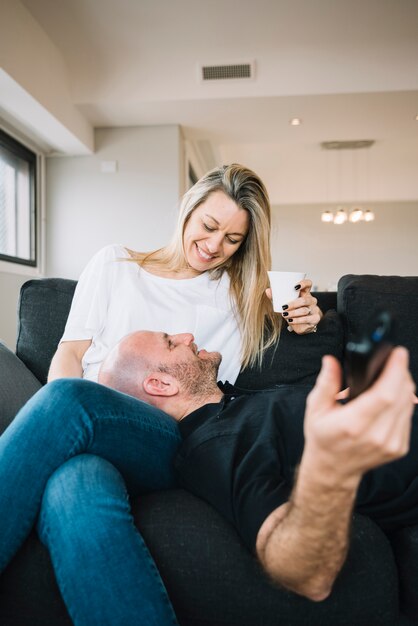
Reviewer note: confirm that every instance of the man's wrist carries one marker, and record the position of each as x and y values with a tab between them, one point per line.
327	472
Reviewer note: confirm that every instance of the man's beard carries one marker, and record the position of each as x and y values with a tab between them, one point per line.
197	378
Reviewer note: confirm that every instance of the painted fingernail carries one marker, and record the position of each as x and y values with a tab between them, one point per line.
284	307
290	320
297	287
285	314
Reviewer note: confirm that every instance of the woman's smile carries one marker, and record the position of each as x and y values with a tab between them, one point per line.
214	232
204	255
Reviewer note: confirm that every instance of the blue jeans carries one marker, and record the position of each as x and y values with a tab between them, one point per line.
71	456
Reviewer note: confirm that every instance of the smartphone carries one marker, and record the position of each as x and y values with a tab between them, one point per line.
366	356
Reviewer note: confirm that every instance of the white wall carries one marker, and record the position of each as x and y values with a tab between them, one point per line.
34	85
10	285
387	246
87	209
136	206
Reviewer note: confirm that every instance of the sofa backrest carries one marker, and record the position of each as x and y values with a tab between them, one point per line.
360	296
43	309
42	312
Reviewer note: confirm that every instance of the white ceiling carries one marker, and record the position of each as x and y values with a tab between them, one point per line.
348	68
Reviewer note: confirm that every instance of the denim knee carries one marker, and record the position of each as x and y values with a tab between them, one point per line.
55	398
75	493
69	390
65	402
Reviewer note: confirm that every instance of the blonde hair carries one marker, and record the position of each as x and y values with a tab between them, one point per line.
247	267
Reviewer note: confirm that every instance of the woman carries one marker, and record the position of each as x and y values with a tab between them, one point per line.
76	450
211	280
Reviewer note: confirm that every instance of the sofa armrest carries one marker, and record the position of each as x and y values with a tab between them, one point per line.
359	297
17	385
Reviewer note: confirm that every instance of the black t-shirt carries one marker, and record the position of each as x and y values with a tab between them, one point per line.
240	455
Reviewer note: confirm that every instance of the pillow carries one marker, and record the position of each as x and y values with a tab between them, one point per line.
17	385
296	359
43	309
360	297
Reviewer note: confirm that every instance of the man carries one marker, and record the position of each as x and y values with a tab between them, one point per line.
242	450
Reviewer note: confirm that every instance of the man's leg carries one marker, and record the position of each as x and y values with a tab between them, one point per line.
70	417
105	573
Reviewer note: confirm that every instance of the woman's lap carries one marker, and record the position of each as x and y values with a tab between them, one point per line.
70	417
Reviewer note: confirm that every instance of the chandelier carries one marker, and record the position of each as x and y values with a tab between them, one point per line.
342	215
356	213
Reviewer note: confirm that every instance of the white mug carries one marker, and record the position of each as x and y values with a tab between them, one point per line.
283	287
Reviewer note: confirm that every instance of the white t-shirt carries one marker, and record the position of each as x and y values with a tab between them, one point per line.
115	297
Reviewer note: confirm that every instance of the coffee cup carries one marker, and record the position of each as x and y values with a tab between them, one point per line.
283	287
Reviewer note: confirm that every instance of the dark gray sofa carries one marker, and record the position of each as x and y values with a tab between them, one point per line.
211	578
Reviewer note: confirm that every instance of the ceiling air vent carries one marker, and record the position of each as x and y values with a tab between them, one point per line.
347	145
227	72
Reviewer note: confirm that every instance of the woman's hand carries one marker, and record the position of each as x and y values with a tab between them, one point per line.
302	314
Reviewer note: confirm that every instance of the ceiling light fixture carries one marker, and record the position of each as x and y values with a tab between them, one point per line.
368	216
357	213
340	217
327	216
295	121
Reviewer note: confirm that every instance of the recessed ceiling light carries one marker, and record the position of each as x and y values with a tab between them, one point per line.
295	121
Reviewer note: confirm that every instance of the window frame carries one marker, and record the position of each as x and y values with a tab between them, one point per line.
21	151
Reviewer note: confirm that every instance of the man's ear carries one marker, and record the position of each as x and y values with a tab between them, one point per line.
160	384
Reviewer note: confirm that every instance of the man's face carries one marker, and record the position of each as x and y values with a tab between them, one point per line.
177	355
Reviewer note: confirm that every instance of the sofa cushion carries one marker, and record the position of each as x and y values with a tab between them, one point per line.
211	577
17	385
42	311
296	359
213	580
359	297
405	547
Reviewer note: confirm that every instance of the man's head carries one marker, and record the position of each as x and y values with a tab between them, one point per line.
167	371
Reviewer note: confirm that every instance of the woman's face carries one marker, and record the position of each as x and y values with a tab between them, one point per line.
214	232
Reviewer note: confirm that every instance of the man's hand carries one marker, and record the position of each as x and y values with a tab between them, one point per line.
345	441
303	544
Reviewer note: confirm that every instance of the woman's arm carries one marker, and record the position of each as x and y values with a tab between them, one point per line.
66	362
88	311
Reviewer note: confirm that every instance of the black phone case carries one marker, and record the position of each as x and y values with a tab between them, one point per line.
366	357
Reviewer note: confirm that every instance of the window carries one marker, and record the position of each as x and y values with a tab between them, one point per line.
17	202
